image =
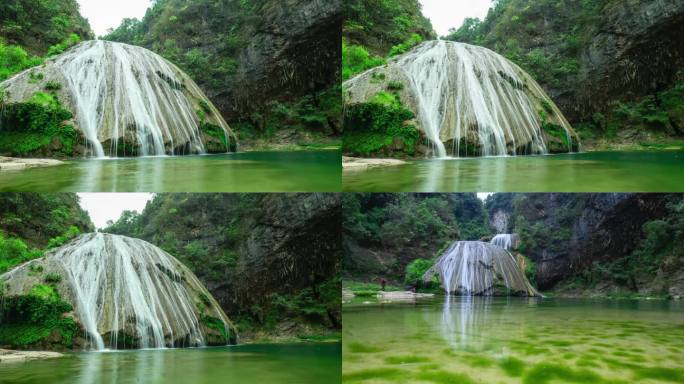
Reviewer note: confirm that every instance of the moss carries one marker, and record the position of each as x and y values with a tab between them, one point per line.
215	324
52	278
218	133
406	359
362	348
548	372
52	86
373	374
512	366
660	373
444	377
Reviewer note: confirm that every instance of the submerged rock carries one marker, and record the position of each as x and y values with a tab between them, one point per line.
125	293
126	101
470	101
475	268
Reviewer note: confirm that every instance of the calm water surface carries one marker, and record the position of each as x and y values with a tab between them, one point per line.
499	340
306	171
257	364
586	172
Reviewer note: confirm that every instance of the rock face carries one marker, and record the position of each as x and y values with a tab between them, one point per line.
475	268
295	50
469	101
127	101
583	229
127	293
637	51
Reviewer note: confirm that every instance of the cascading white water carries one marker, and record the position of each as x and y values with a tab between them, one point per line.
125	285
474	268
126	100
505	241
469	96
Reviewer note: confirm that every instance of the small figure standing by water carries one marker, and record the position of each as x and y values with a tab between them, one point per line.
383	284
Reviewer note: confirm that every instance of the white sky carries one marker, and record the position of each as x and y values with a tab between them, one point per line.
105	14
484	195
103	207
446	14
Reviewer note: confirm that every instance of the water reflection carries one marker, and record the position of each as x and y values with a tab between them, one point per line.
463	319
242	172
585	172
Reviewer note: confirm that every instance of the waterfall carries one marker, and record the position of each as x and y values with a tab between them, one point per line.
477	268
469	100
505	241
128	288
126	100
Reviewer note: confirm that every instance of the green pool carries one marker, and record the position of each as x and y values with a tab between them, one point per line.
257	364
514	340
304	171
586	172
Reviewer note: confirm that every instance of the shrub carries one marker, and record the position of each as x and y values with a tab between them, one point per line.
372	127
356	59
415	271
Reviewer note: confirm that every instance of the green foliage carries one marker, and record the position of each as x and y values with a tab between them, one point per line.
14	251
215	324
35	218
212	235
378	25
31	126
52	86
405	46
513	28
58	241
28	320
14	59
377	126
415	271
203	37
660	112
69	42
52	278
356	59
315	112
35	25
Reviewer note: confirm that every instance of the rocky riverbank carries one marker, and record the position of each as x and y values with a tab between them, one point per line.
15	164
9	356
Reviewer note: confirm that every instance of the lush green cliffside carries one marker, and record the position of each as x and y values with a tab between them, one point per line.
267	65
613	67
271	261
36	25
598	243
573	244
383	233
33	222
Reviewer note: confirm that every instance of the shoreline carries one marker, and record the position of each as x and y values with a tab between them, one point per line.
17	163
13	356
358	163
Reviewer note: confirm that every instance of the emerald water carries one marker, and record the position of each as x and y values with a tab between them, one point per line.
514	340
586	172
303	171
258	364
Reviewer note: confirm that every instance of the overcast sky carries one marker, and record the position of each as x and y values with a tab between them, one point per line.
103	207
105	14
446	14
